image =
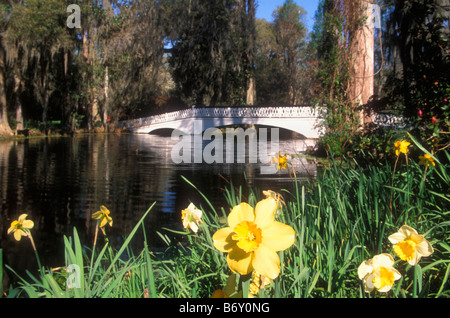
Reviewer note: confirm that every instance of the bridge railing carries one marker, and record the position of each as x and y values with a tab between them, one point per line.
247	112
389	120
224	112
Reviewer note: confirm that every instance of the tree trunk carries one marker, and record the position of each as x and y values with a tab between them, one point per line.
89	58
67	107
18	102
362	54
45	97
106	102
5	129
251	29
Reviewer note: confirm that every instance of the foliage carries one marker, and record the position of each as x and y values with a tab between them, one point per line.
281	65
290	32
39	23
333	76
271	81
211	58
36	43
418	78
375	146
413	70
58	73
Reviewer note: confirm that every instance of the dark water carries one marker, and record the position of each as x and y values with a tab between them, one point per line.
60	182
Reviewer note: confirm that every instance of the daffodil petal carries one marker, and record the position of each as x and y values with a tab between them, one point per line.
193	227
368	283
12	228
407	230
240	213
265	212
397	274
96	215
278	236
239	261
266	262
415	260
383	260
385	289
103	222
424	248
28	224
364	269
18	234
222	239
396	238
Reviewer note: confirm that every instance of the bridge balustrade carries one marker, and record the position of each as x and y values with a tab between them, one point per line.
305	112
224	112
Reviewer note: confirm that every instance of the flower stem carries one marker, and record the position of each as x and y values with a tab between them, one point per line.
34	248
93	246
392	184
425	174
95	236
104	234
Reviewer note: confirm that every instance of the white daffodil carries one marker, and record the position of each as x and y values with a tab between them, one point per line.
409	245
378	273
191	217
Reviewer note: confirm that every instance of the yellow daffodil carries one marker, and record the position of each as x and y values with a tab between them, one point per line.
191	217
230	289
378	273
409	245
20	227
253	238
426	160
281	161
401	147
103	216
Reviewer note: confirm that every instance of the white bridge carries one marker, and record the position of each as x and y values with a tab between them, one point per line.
300	119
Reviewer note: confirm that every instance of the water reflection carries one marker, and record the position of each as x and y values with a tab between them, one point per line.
60	182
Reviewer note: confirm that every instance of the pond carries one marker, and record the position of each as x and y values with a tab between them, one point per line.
59	182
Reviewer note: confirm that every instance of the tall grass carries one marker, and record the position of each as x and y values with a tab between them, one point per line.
341	219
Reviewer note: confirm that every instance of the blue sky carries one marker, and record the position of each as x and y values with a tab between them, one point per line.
265	9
